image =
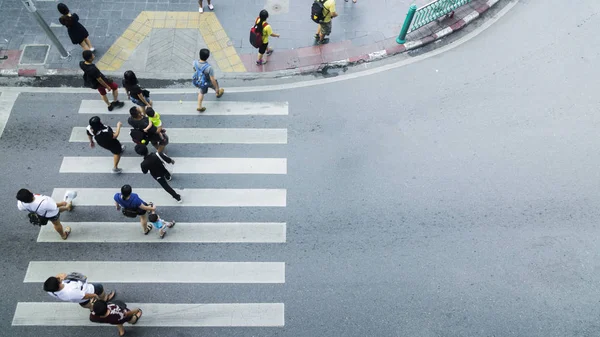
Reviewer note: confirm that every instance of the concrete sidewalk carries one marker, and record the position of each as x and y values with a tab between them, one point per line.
161	38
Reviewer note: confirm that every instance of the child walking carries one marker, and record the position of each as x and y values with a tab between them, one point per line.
160	224
262	26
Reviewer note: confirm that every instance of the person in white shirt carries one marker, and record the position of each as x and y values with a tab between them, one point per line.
46	208
76	291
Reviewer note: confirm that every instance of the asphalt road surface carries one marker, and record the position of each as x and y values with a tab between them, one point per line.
456	196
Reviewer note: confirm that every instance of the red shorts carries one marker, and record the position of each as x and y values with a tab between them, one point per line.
102	89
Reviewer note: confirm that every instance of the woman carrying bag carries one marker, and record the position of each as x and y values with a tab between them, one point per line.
135	93
263	27
115	313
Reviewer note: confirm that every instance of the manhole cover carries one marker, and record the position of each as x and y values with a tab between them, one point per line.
278	6
34	54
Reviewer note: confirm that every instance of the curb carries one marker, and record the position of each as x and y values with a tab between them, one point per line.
311	69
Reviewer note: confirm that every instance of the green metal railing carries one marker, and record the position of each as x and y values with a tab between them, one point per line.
435	10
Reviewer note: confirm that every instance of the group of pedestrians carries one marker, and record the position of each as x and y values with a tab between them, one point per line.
75	288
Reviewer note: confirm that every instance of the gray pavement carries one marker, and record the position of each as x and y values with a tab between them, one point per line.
452	197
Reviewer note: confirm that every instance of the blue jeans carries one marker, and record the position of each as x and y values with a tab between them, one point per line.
138	102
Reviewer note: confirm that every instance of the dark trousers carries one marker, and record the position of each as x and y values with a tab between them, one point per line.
165	185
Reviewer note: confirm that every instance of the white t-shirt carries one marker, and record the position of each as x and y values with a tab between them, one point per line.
74	291
48	208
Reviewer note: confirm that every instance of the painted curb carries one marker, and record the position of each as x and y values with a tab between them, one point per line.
307	70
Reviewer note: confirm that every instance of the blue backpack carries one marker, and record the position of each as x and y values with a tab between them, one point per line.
200	79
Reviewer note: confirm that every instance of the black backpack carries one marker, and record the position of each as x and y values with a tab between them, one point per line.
316	11
35	219
139	136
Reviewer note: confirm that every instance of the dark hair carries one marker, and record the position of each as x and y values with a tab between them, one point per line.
150	112
262	18
129	79
126	191
96	124
141	149
100	307
62	8
87	55
25	195
133	111
204	54
153	217
52	284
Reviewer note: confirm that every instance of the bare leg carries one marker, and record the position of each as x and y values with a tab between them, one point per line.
89	43
144	222
121	329
84	45
200	99
116	159
63	206
160	148
105	99
116	95
59	229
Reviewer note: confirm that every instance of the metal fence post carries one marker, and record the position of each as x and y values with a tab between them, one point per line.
409	18
30	5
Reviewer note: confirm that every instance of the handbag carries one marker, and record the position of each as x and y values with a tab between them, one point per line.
35	219
76	277
129	212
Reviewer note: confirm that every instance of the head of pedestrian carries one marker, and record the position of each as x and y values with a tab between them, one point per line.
141	149
126	191
130	78
96	124
204	54
52	284
150	112
153	217
62	8
88	55
263	15
25	195
100	307
134	112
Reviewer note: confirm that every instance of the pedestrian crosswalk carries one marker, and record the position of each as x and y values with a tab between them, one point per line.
240	200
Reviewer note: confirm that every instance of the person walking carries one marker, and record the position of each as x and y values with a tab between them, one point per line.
140	122
132	206
106	138
261	25
74	288
114	313
43	208
155	164
96	80
135	93
201	7
325	25
77	32
205	76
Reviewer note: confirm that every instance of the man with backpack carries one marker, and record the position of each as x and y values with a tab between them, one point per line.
322	12
73	287
155	164
204	78
42	209
94	79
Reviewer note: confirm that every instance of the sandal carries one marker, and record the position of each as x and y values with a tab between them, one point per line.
67	231
220	93
137	316
202	109
111	295
162	234
149	229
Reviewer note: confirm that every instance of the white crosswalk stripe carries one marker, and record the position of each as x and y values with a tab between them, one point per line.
198	197
162	272
99	233
157	315
182	165
202	136
127	232
216	108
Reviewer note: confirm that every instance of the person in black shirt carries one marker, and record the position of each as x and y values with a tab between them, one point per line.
155	164
99	81
139	121
135	93
106	138
77	32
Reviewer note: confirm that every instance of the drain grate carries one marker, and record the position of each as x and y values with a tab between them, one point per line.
34	54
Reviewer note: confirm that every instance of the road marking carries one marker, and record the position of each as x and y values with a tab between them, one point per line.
203	136
7	101
182	165
188	108
208	232
157	315
200	197
161	271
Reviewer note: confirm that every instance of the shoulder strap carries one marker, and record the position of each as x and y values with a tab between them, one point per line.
206	65
38	207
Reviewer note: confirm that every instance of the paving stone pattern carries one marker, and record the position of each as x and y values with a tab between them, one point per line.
363	23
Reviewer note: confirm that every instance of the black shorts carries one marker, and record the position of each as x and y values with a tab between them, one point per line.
54	218
114	147
263	48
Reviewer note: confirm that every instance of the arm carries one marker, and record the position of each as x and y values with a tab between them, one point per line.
102	83
149	208
148	127
144	168
213	80
118	206
61	277
90	296
334	14
121	329
143	99
91	141
116	133
275	35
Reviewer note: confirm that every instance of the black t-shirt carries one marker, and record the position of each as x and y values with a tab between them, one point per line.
92	72
134	90
104	137
141	124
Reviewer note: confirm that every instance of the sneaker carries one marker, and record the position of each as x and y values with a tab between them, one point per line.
201	10
92	49
69	196
325	41
169	178
180	200
260	62
118	104
211	7
171	224
270	51
111	106
117	170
